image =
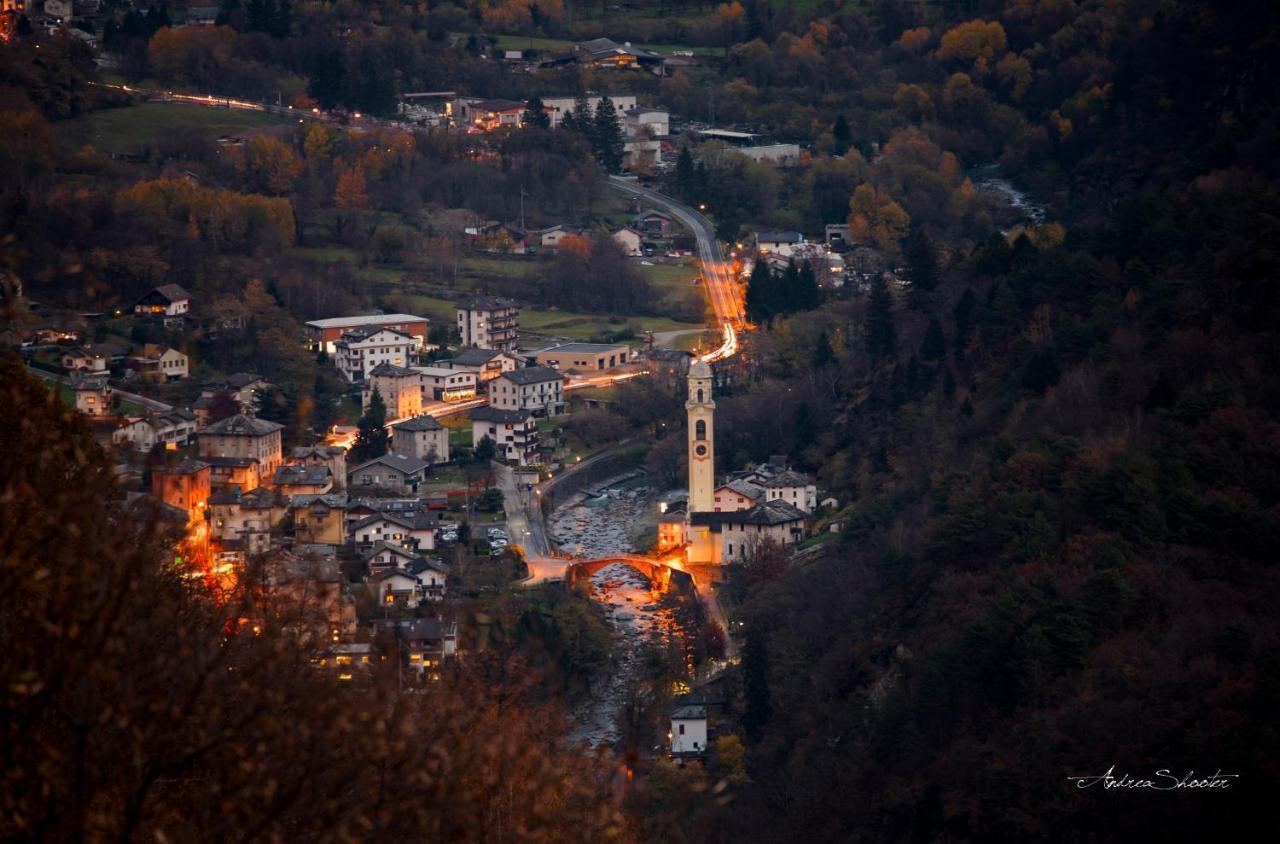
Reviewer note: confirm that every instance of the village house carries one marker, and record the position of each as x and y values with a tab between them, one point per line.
631	241
158	363
244	436
324	334
422	437
389	555
320	519
488	115
549	239
487	364
793	488
185	486
394	587
94	358
583	357
168	300
348	661
243	521
297	479
396	472
361	351
244	473
421	643
331	456
487	323
607	53
737	495
416	530
242	386
92	395
738	534
308	592
652	223
399	386
439	383
174	429
503	238
538	389
688	730
779	243
514	433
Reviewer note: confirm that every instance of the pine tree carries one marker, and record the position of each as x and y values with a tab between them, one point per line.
760	296
807	296
880	331
371	430
581	120
608	141
535	114
685	174
842	135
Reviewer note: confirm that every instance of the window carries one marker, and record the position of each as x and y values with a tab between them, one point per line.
700	429
699	395
682	729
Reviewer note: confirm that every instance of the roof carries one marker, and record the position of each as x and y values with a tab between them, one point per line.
358	335
532	375
472	357
172	292
392	547
414	630
700	369
299	474
233	462
400	462
186	467
390	370
483	303
323	451
787	478
583	348
332	500
421	564
242	426
420	423
498	105
770	236
493	414
256	498
688	713
372	319
394	518
745	488
765	513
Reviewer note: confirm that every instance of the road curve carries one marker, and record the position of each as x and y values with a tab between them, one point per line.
717	275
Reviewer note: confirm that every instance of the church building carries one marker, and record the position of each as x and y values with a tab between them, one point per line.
716	533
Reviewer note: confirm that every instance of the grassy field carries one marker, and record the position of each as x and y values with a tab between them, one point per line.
124	130
575	326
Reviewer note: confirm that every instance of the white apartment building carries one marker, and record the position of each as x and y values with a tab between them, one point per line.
443	384
359	352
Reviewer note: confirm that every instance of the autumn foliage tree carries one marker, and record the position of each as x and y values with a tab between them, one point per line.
137	707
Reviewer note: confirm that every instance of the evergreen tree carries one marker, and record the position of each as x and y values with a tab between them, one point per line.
581	120
760	295
963	315
803	431
922	261
485	450
842	134
535	114
371	431
823	354
934	345
880	331
281	404
685	174
607	140
806	296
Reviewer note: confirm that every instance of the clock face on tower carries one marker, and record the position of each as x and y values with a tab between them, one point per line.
701	451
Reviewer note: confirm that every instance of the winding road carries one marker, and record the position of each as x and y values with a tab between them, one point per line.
723	289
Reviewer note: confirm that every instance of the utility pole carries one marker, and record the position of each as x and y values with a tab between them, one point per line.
522	208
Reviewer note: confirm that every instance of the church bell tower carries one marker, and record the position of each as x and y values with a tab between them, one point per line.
702	449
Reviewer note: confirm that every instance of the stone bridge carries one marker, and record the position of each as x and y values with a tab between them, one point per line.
662	574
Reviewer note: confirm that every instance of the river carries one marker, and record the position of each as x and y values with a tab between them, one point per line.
597	525
987	179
